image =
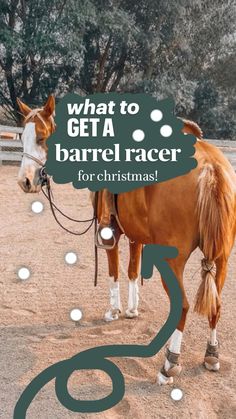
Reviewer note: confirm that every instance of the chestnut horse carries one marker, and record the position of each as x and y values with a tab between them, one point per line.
190	211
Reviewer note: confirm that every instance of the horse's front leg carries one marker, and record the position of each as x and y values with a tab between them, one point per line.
172	367
115	303
133	272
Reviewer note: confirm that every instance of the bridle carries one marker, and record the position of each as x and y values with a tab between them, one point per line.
43	178
34	158
44	181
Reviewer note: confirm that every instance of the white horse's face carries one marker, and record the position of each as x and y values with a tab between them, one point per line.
28	177
39	125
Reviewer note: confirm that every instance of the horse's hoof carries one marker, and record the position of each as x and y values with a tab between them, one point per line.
163	380
212	367
111	315
131	314
211	359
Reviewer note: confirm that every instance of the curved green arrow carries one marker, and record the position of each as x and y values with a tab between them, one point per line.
95	358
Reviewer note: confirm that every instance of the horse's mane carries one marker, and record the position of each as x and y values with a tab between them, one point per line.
191	127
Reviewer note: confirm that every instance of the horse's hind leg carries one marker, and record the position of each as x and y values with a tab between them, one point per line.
115	303
171	367
211	360
133	273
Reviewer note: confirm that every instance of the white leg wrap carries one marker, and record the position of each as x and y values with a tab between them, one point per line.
174	346
115	303
213	340
133	299
175	341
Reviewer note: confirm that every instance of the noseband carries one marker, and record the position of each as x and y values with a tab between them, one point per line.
43	177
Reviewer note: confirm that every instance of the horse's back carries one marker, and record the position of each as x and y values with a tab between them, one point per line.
165	213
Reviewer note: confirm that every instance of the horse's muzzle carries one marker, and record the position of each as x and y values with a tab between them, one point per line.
28	186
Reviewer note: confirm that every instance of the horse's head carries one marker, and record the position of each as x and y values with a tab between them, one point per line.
38	126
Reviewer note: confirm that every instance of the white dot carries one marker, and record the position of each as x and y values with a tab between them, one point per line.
23	273
106	233
76	315
138	135
166	131
156	115
176	394
37	207
71	258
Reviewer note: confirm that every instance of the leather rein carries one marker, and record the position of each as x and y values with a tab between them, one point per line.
44	181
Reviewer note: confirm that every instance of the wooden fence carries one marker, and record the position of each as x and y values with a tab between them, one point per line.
228	148
11	145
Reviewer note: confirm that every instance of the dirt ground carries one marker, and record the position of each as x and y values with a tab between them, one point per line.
36	330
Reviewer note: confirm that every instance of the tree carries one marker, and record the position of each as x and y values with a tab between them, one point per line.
34	48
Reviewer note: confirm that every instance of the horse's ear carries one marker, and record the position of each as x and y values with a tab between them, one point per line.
49	107
24	109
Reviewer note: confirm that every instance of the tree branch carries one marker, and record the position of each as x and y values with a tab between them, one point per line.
120	69
102	65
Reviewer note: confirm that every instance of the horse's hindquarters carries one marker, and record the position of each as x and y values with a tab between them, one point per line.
162	213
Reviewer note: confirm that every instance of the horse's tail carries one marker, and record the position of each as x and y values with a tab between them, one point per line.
191	127
216	218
